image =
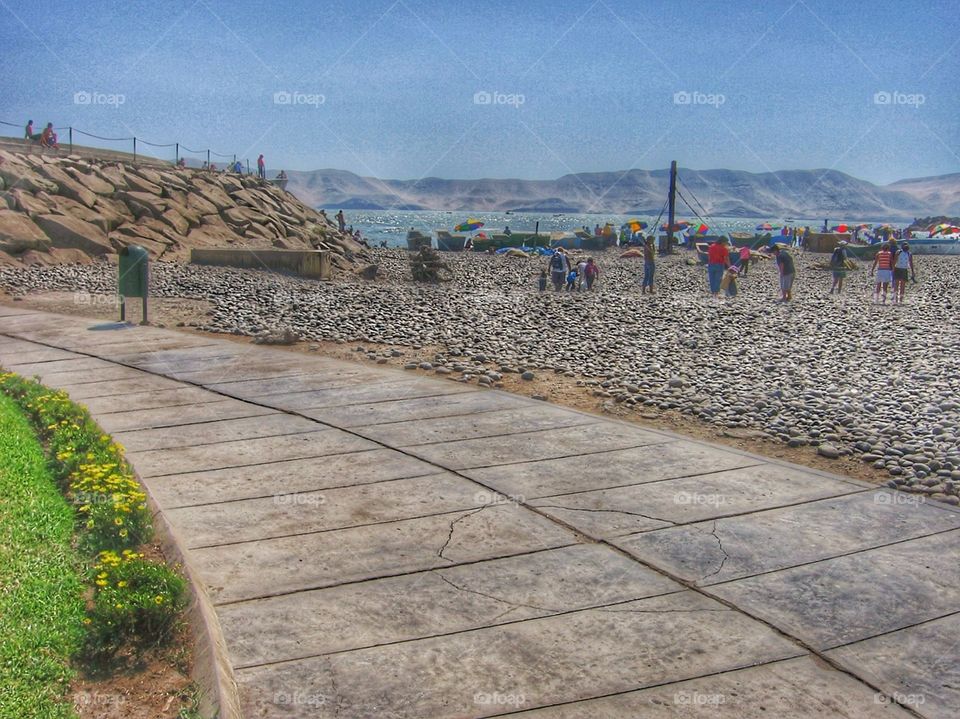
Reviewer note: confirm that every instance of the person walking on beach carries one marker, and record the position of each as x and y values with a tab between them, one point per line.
542	281
559	267
649	266
341	220
902	266
718	260
581	273
788	271
838	264
261	168
744	260
590	273
883	266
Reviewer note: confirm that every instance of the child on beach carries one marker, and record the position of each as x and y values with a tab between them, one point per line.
543	280
572	281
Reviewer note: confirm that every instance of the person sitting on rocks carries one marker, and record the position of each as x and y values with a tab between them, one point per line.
48	138
28	133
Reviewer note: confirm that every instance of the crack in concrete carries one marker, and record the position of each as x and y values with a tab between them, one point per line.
726	556
452	525
513	605
334	687
663	611
611	511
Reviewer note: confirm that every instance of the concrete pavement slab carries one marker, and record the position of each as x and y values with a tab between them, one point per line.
319	443
638	508
440	601
219	409
486	424
801	688
149	399
403	410
532	446
858	596
286	514
298	475
918	667
225	430
617	468
277	566
554	659
725	549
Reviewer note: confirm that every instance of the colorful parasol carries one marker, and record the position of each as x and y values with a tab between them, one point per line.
767	227
841	228
634	225
468	226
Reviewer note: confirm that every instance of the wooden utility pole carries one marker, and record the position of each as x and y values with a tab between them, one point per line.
671	220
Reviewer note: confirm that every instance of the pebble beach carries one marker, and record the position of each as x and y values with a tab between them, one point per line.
841	374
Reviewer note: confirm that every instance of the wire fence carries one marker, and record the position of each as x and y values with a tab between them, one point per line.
137	144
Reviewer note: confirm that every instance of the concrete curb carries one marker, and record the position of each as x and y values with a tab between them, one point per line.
212	670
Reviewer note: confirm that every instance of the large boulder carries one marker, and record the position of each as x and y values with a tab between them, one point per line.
199	205
177	221
139	184
32	205
141	203
16	175
214	195
19	233
69	187
71	232
92	182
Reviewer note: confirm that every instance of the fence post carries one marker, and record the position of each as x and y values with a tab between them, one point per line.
248	165
134	149
70	130
177	155
208	159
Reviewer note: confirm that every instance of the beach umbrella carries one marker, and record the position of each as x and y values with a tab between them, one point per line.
468	226
677	226
634	225
945	229
701	229
767	227
841	228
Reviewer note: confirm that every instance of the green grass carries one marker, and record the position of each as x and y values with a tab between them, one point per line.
41	593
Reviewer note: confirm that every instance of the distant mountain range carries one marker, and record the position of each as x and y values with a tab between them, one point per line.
722	193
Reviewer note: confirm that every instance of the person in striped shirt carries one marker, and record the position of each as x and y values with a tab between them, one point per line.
883	266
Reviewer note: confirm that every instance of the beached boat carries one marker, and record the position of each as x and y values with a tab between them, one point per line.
447	242
416	240
947	245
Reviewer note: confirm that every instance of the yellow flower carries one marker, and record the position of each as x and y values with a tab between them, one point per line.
158	599
121	584
101	583
118	521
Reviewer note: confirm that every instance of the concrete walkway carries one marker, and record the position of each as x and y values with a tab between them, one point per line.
383	544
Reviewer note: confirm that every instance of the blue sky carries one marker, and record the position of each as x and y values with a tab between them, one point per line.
488	88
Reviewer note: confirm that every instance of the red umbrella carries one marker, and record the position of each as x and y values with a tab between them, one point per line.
841	228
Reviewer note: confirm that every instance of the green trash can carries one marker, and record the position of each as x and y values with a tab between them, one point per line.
134	278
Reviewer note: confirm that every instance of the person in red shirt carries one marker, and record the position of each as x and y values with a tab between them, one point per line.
718	260
883	265
48	138
261	168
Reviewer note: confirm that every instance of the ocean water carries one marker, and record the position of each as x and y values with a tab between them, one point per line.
392	226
